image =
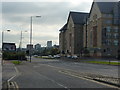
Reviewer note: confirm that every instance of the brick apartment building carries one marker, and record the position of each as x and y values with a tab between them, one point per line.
103	29
71	34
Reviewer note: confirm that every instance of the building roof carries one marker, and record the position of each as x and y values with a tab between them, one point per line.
106	7
63	28
8	43
78	17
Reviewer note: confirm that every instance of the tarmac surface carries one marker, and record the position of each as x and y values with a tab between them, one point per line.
10	71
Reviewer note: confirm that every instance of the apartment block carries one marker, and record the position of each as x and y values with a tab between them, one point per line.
102	29
71	34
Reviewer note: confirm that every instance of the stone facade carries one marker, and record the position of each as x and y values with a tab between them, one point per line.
103	29
71	35
99	31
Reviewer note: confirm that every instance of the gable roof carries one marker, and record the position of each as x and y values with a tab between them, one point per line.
78	17
106	7
64	28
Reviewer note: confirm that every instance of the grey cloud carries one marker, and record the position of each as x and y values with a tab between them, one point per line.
51	12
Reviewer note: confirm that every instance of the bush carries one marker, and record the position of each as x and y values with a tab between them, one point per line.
7	55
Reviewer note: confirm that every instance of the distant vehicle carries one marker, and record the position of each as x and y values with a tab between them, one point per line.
68	56
56	56
74	57
35	55
50	56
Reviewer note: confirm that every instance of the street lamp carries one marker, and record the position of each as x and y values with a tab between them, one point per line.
2	44
31	35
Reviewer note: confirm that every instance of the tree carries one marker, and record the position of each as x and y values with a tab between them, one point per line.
54	51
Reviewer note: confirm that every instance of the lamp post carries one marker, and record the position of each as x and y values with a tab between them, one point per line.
2	44
30	51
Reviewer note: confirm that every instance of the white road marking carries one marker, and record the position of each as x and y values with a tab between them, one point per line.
14	75
17	87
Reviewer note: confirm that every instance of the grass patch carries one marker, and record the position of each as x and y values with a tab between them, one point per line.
102	62
16	62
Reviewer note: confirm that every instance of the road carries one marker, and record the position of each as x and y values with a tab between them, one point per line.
53	73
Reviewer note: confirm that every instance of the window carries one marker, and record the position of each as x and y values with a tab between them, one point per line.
108	29
107	15
108	21
108	35
115	35
116	21
115	29
116	42
108	42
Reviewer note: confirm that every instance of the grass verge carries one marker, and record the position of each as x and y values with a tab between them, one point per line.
102	62
16	62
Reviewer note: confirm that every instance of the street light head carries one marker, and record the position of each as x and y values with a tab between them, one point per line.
8	30
26	31
38	16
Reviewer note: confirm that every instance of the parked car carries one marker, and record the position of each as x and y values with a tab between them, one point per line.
35	55
50	56
68	56
74	57
56	56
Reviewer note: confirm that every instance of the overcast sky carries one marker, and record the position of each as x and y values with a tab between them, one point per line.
54	14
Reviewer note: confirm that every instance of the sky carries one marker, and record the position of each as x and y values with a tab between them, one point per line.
15	16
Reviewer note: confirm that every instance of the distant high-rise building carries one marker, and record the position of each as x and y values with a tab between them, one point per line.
37	46
29	46
49	43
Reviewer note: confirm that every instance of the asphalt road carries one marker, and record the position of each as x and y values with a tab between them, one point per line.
53	73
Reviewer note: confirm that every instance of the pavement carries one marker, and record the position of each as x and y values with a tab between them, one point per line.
8	72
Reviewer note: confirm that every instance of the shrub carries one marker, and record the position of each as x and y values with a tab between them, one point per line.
8	55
